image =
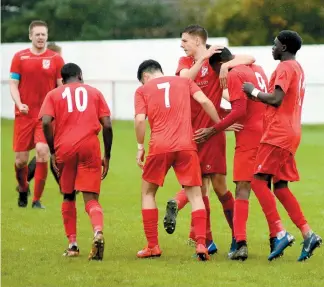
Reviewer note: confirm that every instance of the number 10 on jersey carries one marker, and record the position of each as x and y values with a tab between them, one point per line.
77	98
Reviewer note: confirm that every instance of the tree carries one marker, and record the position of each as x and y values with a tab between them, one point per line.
89	20
257	22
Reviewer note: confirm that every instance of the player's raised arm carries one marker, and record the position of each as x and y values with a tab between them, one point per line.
193	42
193	71
235	61
272	99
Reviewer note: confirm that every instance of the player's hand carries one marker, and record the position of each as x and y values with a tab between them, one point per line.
235	127
247	89
212	50
203	134
24	109
105	165
140	157
223	72
54	164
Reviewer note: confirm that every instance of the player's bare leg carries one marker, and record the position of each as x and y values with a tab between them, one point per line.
42	157
292	206
241	211
198	217
69	216
21	169
150	217
94	210
227	201
267	201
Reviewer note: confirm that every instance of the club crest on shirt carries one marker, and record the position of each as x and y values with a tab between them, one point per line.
208	167
46	63
204	71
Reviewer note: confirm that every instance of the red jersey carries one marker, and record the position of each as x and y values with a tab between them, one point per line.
208	81
251	135
166	102
282	125
76	108
37	75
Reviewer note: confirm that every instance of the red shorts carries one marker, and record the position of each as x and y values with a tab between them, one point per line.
212	155
185	165
82	171
276	161
244	162
27	133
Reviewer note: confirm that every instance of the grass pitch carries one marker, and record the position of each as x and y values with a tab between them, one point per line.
33	241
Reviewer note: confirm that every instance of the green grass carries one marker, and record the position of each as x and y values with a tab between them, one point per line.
33	240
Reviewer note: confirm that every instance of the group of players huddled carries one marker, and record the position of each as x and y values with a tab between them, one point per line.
61	117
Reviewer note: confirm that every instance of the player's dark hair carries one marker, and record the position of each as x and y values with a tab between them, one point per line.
37	23
224	56
291	39
196	30
70	70
149	66
53	47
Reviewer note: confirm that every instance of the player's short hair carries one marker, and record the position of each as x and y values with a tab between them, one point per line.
291	39
224	56
196	30
70	70
149	66
37	23
53	47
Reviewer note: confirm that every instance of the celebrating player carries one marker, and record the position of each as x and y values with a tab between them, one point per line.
250	114
32	164
78	109
212	154
280	140
33	73
166	103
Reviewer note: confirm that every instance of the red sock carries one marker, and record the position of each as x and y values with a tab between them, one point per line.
199	220
268	204
290	203
69	220
192	231
40	178
150	222
181	198
227	201
241	213
94	210
21	176
209	235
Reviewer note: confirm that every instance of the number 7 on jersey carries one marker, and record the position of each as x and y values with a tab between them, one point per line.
166	87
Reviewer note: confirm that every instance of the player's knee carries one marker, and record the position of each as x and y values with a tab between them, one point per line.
243	189
69	197
21	159
219	184
42	152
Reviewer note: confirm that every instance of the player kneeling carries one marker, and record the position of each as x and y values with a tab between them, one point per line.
78	111
165	101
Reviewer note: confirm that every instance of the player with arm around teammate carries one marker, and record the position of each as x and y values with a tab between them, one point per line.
275	159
